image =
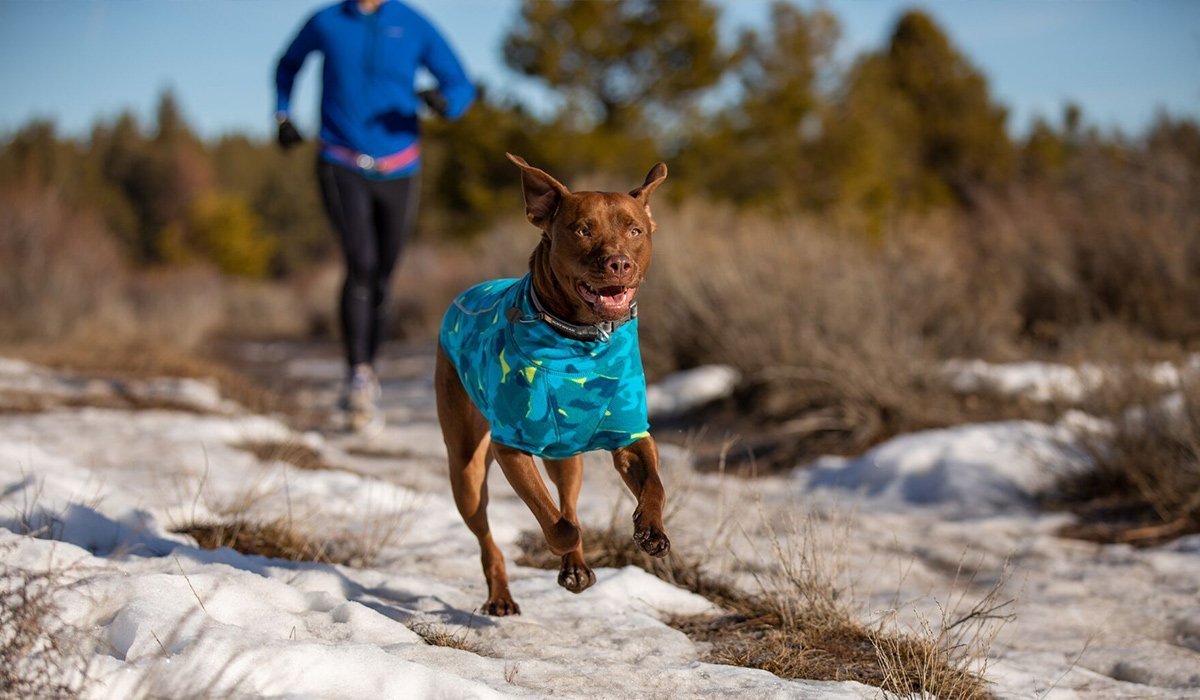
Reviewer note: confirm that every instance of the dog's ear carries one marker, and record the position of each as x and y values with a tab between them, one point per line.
542	193
654	178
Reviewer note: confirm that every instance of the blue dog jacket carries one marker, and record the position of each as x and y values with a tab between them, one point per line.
541	392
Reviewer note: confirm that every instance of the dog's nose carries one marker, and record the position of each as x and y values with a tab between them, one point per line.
619	265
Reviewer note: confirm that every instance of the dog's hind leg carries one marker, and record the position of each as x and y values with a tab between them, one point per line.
638	466
567	475
468	446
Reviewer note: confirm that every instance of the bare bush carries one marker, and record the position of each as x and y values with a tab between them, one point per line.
63	272
1140	482
432	274
260	309
40	655
176	307
831	333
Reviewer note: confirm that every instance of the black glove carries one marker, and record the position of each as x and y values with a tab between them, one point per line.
288	136
436	101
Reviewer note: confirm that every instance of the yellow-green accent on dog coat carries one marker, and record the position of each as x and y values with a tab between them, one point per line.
541	392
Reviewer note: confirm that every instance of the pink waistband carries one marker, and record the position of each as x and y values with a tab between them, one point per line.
383	165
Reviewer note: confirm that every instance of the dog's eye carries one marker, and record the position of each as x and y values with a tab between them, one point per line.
635	232
583	231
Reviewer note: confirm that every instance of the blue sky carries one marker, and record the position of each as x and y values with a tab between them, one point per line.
73	61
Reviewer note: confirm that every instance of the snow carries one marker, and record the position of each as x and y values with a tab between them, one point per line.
965	471
692	388
1046	381
924	518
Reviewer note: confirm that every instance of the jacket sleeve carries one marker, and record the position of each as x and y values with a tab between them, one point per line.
452	80
306	42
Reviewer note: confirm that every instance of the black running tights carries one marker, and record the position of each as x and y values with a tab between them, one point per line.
373	220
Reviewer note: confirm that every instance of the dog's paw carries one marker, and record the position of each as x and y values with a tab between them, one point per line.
575	576
501	606
652	541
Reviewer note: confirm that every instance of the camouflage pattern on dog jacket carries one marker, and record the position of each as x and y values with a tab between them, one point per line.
541	392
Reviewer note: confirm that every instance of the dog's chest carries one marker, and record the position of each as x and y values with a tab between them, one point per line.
540	392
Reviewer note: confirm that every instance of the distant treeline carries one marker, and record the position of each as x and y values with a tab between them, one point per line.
906	130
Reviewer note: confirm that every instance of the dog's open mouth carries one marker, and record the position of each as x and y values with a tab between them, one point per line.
608	302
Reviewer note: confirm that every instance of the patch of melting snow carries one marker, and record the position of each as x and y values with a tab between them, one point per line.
682	391
173	619
963	472
1047	381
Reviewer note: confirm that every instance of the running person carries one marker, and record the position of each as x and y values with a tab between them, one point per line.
370	155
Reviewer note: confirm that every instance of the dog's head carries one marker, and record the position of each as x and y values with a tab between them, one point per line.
596	246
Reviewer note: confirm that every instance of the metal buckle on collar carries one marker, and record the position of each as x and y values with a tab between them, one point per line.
364	161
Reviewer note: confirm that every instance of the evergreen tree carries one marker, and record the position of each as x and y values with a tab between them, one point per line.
617	61
766	141
961	131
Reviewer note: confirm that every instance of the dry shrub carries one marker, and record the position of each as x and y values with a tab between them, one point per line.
175	306
258	309
1140	482
41	656
836	338
63	272
432	273
838	335
1116	253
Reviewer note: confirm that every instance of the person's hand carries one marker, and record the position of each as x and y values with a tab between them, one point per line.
288	136
435	101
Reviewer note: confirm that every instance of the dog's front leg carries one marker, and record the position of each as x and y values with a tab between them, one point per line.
561	534
567	474
638	466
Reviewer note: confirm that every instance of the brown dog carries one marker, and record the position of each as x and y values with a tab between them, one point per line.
577	301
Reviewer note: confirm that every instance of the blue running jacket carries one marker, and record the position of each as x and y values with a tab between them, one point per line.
541	392
368	99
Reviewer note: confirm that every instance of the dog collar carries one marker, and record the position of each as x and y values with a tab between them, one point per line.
587	332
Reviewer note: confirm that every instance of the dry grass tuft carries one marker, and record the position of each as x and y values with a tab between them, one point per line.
141	361
950	658
40	655
801	624
1141	482
279	539
296	454
436	634
275	539
28	402
282	539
